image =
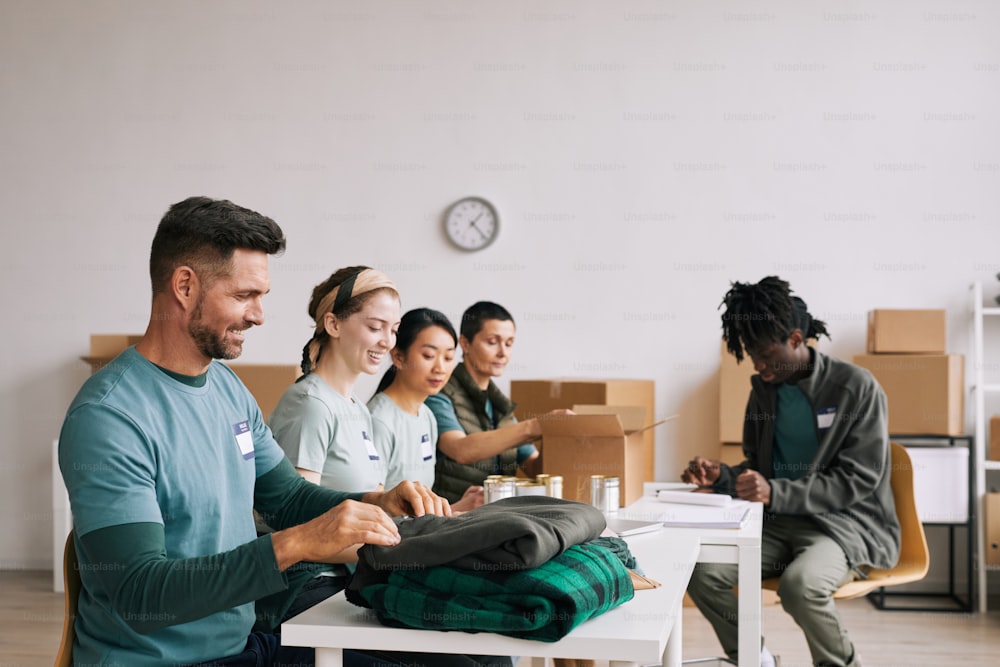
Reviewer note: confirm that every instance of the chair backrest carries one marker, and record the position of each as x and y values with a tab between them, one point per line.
913	553
71	579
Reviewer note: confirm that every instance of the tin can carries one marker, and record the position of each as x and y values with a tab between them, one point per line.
495	489
542	478
604	493
554	486
526	488
597	491
612	496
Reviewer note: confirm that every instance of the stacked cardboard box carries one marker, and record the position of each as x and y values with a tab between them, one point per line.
734	391
924	385
615	442
991	546
995	438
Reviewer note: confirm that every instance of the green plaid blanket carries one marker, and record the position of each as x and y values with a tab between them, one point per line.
543	603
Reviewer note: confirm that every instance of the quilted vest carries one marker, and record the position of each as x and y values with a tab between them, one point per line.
451	478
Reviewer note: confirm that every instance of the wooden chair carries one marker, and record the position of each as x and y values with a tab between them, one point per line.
914	558
71	578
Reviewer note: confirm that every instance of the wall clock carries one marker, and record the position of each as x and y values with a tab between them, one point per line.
471	223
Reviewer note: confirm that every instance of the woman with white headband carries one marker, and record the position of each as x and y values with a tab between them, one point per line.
324	429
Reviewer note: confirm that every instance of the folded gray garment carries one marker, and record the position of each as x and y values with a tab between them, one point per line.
512	534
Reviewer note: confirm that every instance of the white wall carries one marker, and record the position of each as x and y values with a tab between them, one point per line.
641	155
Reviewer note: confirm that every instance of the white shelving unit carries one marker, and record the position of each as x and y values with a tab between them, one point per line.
979	392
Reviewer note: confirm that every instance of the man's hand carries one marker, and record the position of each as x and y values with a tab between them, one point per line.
409	498
751	485
347	524
701	471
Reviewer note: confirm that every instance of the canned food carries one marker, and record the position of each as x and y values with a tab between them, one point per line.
554	486
597	491
604	493
526	488
495	489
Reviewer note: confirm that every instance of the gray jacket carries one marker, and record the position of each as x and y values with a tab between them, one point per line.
847	489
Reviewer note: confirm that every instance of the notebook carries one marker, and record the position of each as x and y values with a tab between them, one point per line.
626	527
694	497
681	515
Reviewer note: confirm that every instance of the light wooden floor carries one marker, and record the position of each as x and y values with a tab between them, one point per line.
31	618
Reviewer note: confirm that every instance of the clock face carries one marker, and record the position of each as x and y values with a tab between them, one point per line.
471	223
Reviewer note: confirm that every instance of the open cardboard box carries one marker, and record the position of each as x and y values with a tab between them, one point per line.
597	440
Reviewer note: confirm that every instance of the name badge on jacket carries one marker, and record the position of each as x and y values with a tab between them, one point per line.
825	417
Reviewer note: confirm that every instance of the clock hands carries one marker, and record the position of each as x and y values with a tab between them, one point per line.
472	223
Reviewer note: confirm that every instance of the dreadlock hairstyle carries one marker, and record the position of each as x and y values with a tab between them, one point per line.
343	294
763	314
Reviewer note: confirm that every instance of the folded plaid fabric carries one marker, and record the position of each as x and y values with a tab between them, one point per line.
543	603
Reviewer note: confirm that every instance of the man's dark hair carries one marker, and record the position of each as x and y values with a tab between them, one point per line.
203	233
476	314
764	313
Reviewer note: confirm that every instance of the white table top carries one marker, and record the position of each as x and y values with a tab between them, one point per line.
637	630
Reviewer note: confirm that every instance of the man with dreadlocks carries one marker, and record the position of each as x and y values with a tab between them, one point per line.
816	448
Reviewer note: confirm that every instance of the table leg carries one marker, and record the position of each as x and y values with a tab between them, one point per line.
329	657
672	654
749	606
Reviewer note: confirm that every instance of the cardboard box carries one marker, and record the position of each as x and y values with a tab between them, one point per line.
991	543
734	391
925	391
994	436
536	397
111	345
267	382
609	442
892	331
105	347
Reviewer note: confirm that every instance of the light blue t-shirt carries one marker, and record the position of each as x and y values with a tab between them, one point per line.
138	446
322	431
795	441
405	442
447	420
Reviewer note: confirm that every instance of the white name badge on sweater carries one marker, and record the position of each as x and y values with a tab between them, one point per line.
244	439
825	417
426	447
369	446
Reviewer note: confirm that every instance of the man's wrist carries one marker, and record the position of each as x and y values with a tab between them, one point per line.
286	548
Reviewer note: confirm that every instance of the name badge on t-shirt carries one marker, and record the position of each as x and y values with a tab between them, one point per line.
426	448
244	439
825	417
369	446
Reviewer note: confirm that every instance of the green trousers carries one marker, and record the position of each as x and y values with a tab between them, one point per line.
811	566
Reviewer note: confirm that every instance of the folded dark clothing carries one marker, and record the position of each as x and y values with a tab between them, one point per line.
543	603
512	534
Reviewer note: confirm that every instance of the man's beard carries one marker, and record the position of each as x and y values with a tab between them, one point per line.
209	343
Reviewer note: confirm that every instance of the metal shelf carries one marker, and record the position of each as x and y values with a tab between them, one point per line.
980	388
